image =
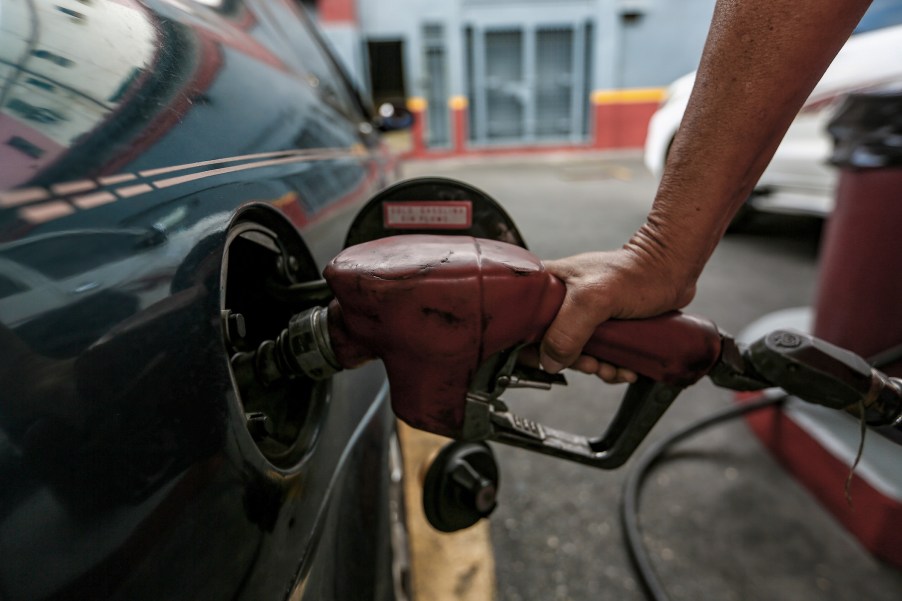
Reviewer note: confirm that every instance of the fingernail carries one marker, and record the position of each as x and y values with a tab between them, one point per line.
551	366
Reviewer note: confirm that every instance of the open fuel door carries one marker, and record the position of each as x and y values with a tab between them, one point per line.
433	205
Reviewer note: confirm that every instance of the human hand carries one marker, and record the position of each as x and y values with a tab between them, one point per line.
622	284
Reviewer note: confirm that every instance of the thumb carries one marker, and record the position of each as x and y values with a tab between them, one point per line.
568	333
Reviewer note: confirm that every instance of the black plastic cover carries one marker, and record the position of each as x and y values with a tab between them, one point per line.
867	130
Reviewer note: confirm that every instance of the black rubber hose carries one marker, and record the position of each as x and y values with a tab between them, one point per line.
629	505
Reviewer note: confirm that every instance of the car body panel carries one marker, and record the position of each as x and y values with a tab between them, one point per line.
132	134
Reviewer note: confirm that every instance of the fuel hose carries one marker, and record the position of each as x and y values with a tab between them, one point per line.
632	487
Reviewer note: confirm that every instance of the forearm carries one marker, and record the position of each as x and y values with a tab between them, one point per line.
760	62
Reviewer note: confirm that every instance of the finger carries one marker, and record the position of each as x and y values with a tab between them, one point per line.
568	334
623	376
615	375
607	372
586	364
560	269
627	375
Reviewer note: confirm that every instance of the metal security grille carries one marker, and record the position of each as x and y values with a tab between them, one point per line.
436	84
504	85
527	84
554	83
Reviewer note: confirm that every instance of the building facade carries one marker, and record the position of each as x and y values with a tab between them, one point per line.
488	75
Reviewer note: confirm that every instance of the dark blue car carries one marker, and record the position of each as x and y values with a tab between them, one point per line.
173	175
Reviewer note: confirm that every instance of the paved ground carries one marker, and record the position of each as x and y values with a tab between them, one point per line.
444	567
723	519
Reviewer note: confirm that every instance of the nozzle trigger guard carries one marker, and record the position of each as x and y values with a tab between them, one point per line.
487	417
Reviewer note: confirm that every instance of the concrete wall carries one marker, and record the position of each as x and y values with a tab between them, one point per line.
650	50
637	47
665	43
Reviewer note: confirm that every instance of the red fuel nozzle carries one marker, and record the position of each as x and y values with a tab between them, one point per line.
448	315
435	309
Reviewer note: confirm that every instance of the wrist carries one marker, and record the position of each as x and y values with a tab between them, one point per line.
675	260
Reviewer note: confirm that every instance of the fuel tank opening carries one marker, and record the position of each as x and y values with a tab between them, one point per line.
268	276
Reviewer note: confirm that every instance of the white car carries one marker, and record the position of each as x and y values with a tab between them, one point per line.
799	179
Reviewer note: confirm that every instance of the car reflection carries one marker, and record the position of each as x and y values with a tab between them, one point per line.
52	94
61	290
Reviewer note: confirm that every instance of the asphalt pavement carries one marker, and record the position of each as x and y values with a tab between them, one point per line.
721	518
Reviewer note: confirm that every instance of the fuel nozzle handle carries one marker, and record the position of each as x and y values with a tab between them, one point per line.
819	372
447	316
674	348
440	310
